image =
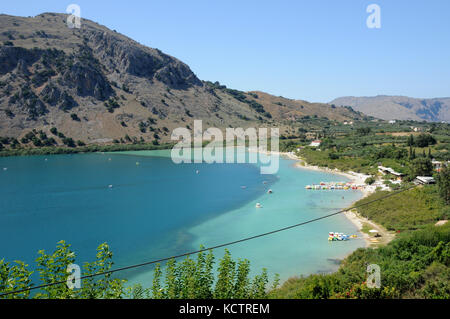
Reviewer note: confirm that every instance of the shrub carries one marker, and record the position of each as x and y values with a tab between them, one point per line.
333	156
69	142
75	117
142	127
9	113
424	140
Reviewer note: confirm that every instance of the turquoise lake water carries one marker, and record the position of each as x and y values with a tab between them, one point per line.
158	209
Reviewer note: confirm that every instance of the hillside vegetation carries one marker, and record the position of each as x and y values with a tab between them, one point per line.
410	210
366	146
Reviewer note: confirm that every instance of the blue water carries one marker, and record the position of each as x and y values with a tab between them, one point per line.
158	209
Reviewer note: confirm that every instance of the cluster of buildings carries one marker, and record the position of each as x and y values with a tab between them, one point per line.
421	180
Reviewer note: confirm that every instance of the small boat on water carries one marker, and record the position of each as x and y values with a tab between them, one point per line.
243	187
269	191
5	168
258	205
110	186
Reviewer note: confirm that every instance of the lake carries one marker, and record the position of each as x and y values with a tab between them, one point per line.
146	207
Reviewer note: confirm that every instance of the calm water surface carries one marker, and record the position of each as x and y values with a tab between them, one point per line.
157	209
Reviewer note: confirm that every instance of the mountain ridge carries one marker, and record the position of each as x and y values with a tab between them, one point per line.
396	107
97	85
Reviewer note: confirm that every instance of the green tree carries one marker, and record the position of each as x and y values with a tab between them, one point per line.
104	286
189	278
52	268
52	271
421	166
241	287
225	281
424	140
157	289
69	142
410	140
363	131
369	180
13	278
443	182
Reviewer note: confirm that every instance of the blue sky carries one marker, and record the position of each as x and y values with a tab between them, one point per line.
313	50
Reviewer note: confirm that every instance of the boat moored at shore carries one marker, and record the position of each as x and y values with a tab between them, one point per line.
335	186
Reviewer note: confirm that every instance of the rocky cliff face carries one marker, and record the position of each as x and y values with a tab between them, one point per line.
95	84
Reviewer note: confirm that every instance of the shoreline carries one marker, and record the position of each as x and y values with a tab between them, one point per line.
91	148
352	215
356	178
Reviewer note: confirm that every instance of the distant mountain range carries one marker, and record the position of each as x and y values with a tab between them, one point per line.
399	107
97	85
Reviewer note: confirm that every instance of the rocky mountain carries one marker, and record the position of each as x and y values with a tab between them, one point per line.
399	107
96	85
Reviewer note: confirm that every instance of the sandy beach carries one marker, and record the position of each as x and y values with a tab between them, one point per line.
352	215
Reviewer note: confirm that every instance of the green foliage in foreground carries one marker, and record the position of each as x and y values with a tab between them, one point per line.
192	279
52	268
416	265
412	209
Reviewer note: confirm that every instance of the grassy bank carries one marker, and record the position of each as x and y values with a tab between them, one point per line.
411	210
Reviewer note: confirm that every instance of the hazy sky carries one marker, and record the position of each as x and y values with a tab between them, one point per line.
313	50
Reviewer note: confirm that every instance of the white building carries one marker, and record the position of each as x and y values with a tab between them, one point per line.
423	180
315	143
387	170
